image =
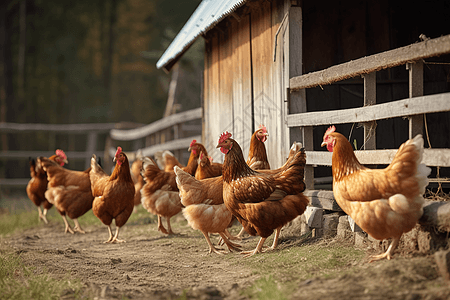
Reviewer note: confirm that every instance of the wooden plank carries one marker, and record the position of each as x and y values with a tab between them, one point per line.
90	147
322	199
66	128
268	101
415	90
14	181
213	127
406	107
384	60
27	154
370	98
181	144
431	157
242	82
141	132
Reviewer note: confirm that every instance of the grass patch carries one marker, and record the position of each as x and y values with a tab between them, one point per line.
266	289
293	265
19	282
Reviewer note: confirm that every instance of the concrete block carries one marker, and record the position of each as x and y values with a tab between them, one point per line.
343	229
314	216
330	224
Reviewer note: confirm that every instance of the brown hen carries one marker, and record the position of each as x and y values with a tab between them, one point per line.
114	195
385	203
69	191
262	202
159	195
38	184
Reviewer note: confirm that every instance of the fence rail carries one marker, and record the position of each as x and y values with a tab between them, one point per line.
373	63
170	133
412	108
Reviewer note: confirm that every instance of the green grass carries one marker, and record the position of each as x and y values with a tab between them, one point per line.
266	289
281	271
19	282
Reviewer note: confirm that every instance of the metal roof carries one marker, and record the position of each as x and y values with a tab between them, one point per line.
207	14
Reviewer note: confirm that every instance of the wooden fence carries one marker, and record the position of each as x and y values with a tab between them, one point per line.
413	108
171	133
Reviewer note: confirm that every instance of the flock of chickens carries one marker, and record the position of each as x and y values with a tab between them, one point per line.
384	202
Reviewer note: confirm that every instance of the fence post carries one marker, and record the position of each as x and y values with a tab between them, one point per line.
415	90
370	98
90	147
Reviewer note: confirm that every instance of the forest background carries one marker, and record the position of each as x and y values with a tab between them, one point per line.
64	62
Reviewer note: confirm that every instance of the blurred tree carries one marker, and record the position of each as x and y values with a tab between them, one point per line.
81	62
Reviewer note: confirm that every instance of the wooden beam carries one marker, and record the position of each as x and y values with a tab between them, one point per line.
376	62
66	128
431	157
322	199
34	154
370	98
141	132
407	107
170	145
415	90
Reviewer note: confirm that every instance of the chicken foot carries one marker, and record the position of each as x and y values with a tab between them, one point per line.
161	226
42	215
231	246
211	246
77	227
388	254
114	239
230	237
68	228
258	248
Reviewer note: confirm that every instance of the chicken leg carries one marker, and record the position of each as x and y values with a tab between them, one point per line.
211	246
68	228
115	238
388	254
42	215
275	239
231	246
258	248
161	226
77	226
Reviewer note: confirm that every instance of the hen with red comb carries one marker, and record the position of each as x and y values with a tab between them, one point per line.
114	195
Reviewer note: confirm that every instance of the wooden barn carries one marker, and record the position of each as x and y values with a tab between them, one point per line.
378	70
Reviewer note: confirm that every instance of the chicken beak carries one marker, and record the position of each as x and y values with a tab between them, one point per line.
114	159
66	161
323	144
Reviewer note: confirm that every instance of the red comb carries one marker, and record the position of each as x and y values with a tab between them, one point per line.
192	143
263	128
119	150
224	136
60	153
330	130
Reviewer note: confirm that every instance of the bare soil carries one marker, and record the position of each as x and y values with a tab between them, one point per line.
151	265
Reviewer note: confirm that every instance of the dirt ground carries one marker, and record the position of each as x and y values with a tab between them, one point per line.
151	265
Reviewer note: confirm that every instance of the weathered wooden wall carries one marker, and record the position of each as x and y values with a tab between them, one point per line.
244	86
